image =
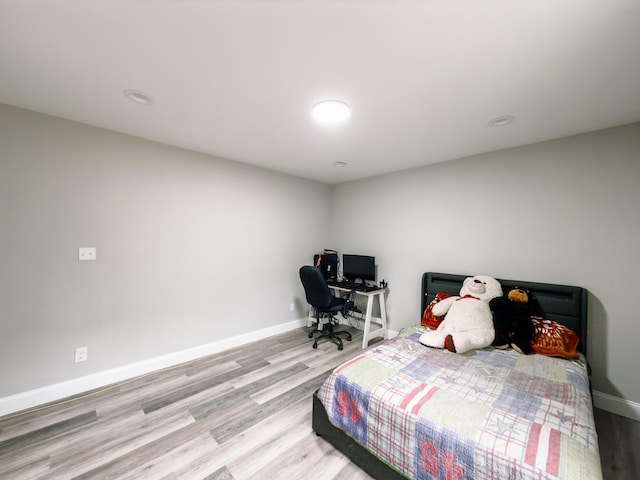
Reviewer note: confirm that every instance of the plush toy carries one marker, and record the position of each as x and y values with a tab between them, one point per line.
468	323
512	319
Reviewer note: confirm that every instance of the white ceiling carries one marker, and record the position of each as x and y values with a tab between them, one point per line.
237	78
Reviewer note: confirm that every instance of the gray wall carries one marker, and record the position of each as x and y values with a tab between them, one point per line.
191	249
565	211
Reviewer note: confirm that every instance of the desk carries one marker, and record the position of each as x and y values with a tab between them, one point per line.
382	321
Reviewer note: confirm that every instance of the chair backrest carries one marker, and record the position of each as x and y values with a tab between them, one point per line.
315	287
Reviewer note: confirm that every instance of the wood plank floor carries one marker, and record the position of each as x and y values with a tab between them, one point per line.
241	414
619	438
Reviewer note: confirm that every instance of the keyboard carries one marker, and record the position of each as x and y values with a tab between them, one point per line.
360	287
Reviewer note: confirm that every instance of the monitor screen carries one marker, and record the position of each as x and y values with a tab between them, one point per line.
358	266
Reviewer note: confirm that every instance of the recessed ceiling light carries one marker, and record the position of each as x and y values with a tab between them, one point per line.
331	111
501	121
139	97
339	164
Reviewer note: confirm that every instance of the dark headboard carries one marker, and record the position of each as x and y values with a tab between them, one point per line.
564	304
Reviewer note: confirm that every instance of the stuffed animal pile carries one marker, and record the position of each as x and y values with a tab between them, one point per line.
468	323
512	320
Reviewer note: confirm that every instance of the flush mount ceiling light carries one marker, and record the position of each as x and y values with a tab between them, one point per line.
331	112
139	97
501	121
339	164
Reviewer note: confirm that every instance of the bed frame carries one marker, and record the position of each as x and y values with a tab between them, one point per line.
564	304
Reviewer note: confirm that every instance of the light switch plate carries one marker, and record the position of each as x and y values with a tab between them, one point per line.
87	253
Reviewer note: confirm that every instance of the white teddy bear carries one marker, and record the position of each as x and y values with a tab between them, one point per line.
468	323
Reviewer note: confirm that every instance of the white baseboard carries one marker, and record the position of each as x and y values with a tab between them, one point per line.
617	405
58	391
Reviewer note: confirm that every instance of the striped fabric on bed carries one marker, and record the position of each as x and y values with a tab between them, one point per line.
486	414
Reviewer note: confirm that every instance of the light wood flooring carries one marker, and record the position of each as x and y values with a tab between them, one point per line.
241	414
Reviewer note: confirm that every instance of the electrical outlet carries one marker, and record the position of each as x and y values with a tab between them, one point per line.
87	253
81	354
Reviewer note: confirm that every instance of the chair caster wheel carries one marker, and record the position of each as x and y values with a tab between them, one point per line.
311	334
340	347
315	345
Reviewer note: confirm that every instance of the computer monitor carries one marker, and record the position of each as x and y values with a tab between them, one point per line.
361	267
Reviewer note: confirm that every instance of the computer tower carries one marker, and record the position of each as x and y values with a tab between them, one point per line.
328	263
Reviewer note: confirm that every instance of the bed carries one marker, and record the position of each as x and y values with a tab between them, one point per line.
403	410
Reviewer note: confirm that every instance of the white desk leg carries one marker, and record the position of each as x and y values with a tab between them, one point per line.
383	315
367	321
379	332
311	320
310	317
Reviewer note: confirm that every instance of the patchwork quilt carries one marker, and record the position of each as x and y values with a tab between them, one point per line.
485	414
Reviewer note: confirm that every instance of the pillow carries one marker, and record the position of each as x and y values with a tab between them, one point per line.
553	339
428	318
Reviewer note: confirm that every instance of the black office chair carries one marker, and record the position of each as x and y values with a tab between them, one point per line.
324	303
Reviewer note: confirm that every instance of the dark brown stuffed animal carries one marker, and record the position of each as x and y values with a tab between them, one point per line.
512	319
